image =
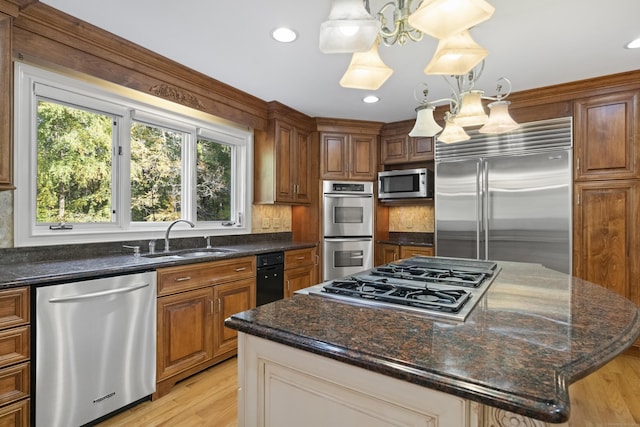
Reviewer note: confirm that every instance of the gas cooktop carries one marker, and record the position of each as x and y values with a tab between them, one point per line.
438	286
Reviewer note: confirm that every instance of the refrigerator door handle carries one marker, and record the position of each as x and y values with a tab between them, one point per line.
486	211
479	174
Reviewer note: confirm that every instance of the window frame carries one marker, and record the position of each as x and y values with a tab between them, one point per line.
31	82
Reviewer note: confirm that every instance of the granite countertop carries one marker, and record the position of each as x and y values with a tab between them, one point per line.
534	332
408	238
38	272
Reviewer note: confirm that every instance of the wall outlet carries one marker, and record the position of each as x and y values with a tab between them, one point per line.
276	222
266	223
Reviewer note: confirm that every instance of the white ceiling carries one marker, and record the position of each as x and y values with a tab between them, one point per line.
533	43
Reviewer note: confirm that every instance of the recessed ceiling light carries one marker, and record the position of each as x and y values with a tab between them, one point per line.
370	99
633	44
284	35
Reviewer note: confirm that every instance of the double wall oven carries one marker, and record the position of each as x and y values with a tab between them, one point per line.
347	218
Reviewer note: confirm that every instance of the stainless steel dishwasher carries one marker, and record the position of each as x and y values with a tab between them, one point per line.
95	347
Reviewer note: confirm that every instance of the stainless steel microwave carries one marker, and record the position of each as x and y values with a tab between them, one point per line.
405	184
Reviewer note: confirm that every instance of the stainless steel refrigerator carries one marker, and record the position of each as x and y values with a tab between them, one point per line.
507	197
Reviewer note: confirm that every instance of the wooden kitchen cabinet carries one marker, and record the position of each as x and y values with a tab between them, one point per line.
606	226
407	251
193	301
349	157
606	139
15	354
387	253
283	162
300	270
184	331
390	252
230	298
398	149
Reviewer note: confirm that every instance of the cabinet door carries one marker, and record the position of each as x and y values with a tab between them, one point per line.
387	253
607	222
184	331
606	141
301	164
363	157
285	146
15	415
299	278
409	251
230	298
420	149
334	156
394	149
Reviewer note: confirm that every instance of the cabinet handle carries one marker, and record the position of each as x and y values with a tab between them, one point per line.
300	258
241	269
211	305
578	164
219	305
317	259
288	286
183	279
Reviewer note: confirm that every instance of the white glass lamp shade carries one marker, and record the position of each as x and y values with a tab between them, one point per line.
452	131
366	71
471	111
456	55
350	28
425	123
499	119
443	18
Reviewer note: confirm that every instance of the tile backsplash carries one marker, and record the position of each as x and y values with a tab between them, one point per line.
270	219
418	219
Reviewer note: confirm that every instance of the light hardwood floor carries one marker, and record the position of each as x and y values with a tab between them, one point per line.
610	397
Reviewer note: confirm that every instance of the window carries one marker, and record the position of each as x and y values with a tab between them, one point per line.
98	165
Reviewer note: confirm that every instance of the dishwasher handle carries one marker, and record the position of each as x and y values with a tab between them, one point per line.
99	294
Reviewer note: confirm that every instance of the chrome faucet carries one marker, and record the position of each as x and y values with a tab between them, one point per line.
166	235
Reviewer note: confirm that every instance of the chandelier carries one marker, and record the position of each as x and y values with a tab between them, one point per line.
465	109
351	28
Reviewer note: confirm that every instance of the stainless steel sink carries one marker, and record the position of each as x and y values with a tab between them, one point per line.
190	253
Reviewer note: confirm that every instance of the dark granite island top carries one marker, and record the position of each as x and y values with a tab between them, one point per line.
533	333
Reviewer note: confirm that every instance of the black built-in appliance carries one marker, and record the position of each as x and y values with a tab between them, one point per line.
270	278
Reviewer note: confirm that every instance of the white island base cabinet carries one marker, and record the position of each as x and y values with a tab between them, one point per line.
281	386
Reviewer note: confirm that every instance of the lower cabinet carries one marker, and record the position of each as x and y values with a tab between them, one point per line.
193	301
300	270
15	357
283	386
389	252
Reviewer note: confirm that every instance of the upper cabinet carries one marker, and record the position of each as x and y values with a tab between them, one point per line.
348	149
6	73
396	146
606	145
283	158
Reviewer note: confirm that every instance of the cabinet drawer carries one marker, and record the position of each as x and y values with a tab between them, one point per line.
299	257
186	277
15	415
14	346
14	383
14	307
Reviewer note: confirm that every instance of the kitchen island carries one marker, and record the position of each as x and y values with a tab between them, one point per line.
510	362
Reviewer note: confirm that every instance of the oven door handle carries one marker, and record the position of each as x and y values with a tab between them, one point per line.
349	196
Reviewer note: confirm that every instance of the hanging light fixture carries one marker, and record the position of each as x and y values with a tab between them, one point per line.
425	123
444	18
350	28
452	132
471	111
466	109
366	70
455	55
500	120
